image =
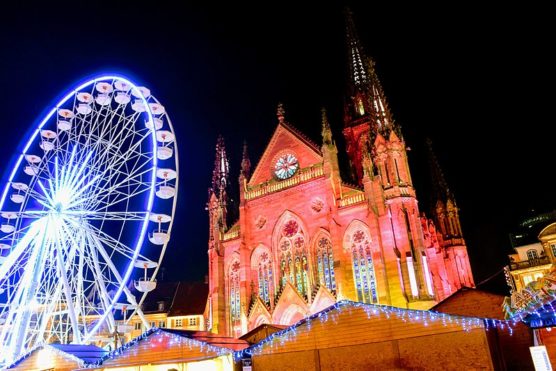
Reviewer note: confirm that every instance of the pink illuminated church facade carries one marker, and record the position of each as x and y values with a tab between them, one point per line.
305	239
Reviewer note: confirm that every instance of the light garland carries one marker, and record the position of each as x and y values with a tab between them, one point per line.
280	338
69	356
176	339
538	313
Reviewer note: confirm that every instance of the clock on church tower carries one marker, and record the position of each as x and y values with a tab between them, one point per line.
286	166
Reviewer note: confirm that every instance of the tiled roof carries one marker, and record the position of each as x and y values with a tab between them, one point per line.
190	298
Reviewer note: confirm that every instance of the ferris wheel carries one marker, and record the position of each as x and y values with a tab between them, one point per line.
87	208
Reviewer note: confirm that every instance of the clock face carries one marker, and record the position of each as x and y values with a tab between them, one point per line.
286	166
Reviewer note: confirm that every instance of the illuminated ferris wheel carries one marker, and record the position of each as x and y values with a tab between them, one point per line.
88	207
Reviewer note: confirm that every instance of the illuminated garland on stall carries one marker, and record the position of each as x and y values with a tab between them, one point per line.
55	350
537	314
176	339
281	337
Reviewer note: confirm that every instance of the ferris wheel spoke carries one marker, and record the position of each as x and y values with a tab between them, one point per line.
114	169
46	316
102	204
93	191
26	291
65	283
121	282
101	283
111	242
21	246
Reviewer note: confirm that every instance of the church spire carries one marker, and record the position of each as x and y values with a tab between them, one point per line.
245	163
221	171
218	197
326	131
366	99
444	208
441	192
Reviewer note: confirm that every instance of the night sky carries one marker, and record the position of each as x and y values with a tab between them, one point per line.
471	79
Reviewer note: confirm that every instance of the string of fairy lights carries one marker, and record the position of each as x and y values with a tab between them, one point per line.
332	313
52	349
289	334
175	339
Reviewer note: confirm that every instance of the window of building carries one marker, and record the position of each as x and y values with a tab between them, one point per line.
538	275
178	322
426	271
359	242
532	254
192	321
161	324
553	248
264	271
138	326
294	266
235	303
152	324
325	263
527	279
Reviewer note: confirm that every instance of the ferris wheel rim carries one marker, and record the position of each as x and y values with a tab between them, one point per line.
140	240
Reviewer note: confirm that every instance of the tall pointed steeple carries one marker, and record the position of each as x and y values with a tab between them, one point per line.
221	169
218	197
439	185
366	100
326	132
245	163
444	207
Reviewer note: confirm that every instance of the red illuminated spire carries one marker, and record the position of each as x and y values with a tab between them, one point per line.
245	163
366	99
221	171
441	192
326	131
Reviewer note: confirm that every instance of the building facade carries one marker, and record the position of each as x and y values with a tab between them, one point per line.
305	239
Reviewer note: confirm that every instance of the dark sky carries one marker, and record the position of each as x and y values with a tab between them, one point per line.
472	79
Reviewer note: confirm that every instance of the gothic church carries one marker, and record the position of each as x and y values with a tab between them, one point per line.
305	239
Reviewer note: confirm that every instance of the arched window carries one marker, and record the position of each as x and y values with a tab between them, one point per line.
359	244
264	274
235	302
532	254
325	263
294	266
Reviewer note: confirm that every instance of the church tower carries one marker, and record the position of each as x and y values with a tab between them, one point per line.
378	159
217	210
305	239
446	216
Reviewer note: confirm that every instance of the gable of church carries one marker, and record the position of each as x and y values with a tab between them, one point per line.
285	140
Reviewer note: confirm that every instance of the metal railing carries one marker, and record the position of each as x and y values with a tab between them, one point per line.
529	263
275	185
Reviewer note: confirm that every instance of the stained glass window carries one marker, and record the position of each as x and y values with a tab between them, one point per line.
294	266
325	263
235	303
265	278
363	268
